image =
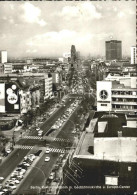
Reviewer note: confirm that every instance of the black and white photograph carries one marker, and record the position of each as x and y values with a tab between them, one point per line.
68	98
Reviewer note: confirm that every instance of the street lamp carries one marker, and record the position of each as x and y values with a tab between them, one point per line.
41	172
71	122
13	138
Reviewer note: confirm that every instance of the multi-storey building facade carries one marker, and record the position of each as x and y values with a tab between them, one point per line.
7	68
3	56
26	101
113	50
31	90
117	93
133	55
48	87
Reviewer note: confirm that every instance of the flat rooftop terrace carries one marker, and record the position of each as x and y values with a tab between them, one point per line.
116	123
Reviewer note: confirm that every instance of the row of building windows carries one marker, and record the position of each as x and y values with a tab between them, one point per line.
124	107
124	100
124	93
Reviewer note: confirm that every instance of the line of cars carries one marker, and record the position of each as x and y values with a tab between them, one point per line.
58	124
17	175
54	176
40	132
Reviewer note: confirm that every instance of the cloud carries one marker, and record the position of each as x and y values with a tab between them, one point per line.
31	51
42	22
32	14
11	20
115	9
58	42
85	24
121	14
86	9
11	6
51	37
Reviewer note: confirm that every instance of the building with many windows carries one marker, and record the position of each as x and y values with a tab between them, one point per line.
133	55
7	68
3	56
113	50
22	92
48	87
117	93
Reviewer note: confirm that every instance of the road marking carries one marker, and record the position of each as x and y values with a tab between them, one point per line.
57	150
25	147
31	137
61	140
39	137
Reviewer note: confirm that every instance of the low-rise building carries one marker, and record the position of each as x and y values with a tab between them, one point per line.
7	68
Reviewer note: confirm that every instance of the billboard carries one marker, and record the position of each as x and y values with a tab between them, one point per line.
12	98
2	97
111	180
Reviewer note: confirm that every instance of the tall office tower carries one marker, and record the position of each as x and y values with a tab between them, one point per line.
113	50
73	54
133	55
3	56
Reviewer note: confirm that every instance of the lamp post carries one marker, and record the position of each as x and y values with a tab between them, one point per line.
13	138
39	169
72	122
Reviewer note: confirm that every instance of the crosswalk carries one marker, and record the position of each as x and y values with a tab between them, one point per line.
25	147
32	137
57	150
39	138
61	140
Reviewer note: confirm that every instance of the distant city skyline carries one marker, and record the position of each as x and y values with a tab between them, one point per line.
33	29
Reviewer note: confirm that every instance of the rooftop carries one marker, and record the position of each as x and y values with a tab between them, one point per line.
113	128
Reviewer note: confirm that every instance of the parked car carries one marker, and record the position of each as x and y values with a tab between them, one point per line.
12	186
47	151
2	192
40	133
47	159
8	151
19	177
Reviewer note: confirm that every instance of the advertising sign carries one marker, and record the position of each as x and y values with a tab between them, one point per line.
2	97
12	98
111	180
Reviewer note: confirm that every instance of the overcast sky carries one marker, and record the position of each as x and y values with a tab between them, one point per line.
50	28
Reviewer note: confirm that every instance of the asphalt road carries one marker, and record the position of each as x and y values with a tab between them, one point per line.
36	178
48	123
13	159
